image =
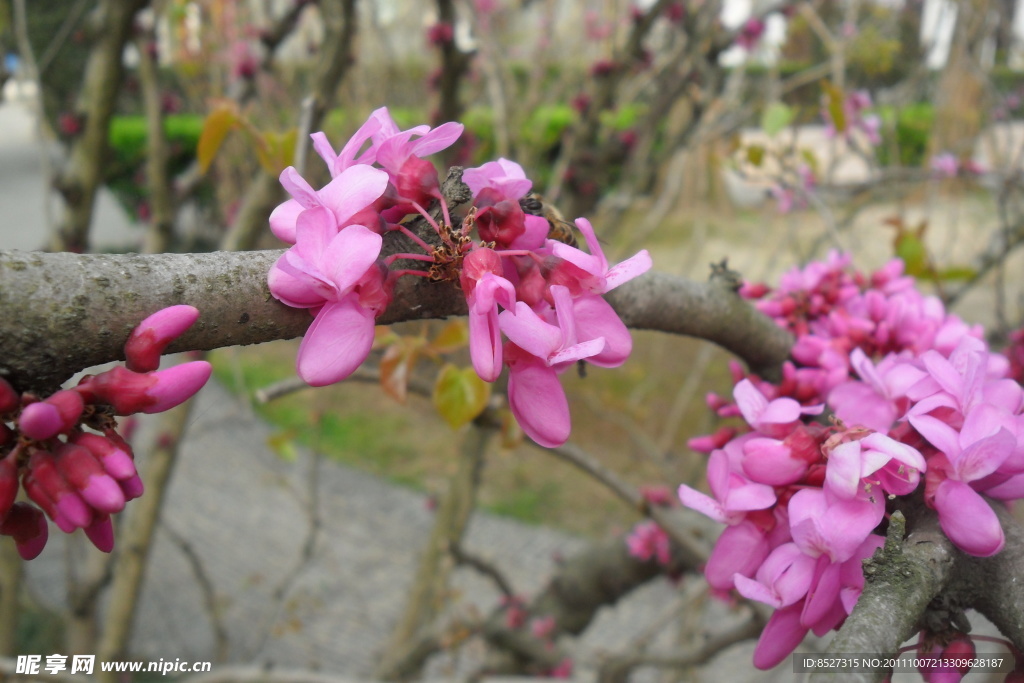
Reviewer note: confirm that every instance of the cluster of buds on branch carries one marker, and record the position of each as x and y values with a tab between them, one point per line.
548	292
65	451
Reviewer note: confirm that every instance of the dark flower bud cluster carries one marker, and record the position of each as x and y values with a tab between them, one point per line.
65	452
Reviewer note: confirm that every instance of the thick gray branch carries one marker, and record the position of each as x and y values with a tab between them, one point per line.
924	582
64	312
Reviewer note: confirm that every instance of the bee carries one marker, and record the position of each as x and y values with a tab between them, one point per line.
560	229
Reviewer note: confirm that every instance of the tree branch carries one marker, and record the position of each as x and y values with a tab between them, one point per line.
65	312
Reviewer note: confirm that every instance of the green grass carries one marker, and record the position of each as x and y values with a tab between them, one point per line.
531	504
369	439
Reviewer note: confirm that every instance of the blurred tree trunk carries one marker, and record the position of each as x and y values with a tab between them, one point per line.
82	175
1004	36
959	102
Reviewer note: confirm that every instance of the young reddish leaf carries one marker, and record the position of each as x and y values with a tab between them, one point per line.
460	395
383	336
218	124
453	337
511	432
397	365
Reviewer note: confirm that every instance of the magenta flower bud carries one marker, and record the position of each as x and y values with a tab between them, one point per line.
9	398
8	482
83	471
74	509
110	455
27	525
101	533
7	434
177	384
40	421
131	487
63	499
69	405
152	392
149	339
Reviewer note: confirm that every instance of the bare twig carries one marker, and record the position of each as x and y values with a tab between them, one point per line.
488	569
206	587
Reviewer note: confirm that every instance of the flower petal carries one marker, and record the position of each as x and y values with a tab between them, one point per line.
739	550
528	331
356	188
780	637
349	255
635	266
538	403
282	220
968	520
596	318
337	342
704	504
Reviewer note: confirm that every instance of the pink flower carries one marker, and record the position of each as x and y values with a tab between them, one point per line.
542	627
945	165
896	467
782	579
595	263
878	399
739	551
979	449
349	155
780	636
504	176
834	529
649	541
348	197
485	289
402	156
538	353
775	418
325	270
732	492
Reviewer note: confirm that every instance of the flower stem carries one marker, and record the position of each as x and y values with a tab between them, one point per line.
412	257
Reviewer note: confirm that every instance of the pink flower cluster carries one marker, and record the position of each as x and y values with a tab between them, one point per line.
80	478
916	399
543	296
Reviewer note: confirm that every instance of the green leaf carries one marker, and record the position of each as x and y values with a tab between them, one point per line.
834	97
954	273
283	445
222	120
276	151
460	395
454	336
914	255
776	117
755	155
